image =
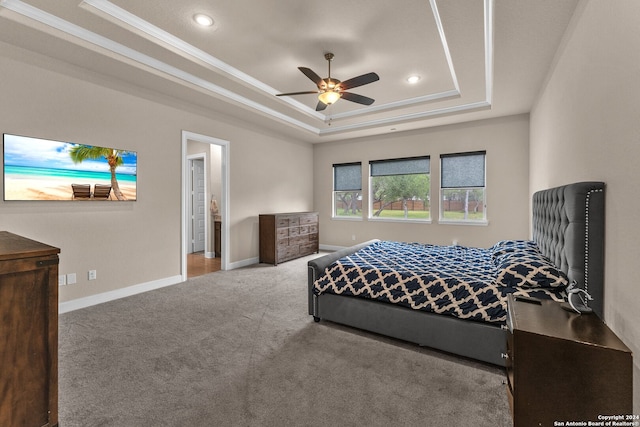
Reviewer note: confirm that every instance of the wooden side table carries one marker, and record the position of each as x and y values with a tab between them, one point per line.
563	366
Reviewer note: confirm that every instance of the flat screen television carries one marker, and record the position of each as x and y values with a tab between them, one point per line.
42	169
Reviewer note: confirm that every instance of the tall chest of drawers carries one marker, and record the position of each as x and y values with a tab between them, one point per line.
28	332
286	236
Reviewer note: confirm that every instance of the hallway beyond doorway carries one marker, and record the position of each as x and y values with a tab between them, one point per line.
198	265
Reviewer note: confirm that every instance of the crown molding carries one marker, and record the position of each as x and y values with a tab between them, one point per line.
80	33
116	14
129	21
458	109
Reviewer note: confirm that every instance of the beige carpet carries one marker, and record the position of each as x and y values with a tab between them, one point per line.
237	348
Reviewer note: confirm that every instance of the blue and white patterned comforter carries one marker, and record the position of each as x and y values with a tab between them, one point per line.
468	283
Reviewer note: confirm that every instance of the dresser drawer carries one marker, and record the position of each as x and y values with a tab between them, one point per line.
308	248
308	229
288	252
308	219
299	240
294	231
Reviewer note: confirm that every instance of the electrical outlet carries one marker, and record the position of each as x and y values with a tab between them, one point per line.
71	278
92	275
62	280
353	237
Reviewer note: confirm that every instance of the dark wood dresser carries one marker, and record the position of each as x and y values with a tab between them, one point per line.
563	366
285	236
28	332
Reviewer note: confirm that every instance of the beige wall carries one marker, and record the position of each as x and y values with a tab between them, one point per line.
132	243
506	141
586	126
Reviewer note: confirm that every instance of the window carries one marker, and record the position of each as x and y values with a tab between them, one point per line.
347	190
400	189
462	187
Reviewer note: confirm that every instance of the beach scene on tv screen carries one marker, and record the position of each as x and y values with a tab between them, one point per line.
41	169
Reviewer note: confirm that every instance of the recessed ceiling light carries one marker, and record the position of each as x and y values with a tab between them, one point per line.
413	79
202	19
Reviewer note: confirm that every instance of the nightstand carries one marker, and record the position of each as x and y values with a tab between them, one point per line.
563	366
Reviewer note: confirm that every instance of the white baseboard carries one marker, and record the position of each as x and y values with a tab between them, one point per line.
79	303
243	263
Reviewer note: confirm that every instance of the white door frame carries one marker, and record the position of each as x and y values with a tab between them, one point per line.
190	213
224	198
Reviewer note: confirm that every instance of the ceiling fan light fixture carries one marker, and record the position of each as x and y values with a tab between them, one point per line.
331	90
329	97
202	19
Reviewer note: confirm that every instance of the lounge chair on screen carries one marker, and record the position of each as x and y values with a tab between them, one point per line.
102	192
81	191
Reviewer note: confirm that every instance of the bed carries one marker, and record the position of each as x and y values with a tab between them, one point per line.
567	229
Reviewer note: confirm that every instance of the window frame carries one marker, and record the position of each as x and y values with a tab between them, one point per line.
373	174
335	168
471	186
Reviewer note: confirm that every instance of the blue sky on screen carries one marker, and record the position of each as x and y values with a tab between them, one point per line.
42	153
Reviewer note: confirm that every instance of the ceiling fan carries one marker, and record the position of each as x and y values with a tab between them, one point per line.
331	90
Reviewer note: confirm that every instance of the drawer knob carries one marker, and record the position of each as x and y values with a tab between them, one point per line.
504	355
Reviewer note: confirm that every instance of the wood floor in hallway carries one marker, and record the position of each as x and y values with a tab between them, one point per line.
197	264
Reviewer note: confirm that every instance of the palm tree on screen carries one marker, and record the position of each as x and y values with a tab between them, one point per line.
113	157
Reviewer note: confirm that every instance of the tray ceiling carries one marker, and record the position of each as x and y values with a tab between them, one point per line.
476	59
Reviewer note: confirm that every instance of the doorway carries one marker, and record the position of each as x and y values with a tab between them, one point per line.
214	222
197	220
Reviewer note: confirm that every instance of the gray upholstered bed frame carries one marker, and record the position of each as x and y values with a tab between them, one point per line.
568	225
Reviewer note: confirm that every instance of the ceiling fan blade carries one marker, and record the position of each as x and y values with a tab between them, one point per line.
353	97
297	93
311	74
359	81
321	106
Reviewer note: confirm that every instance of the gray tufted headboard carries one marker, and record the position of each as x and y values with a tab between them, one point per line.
568	225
